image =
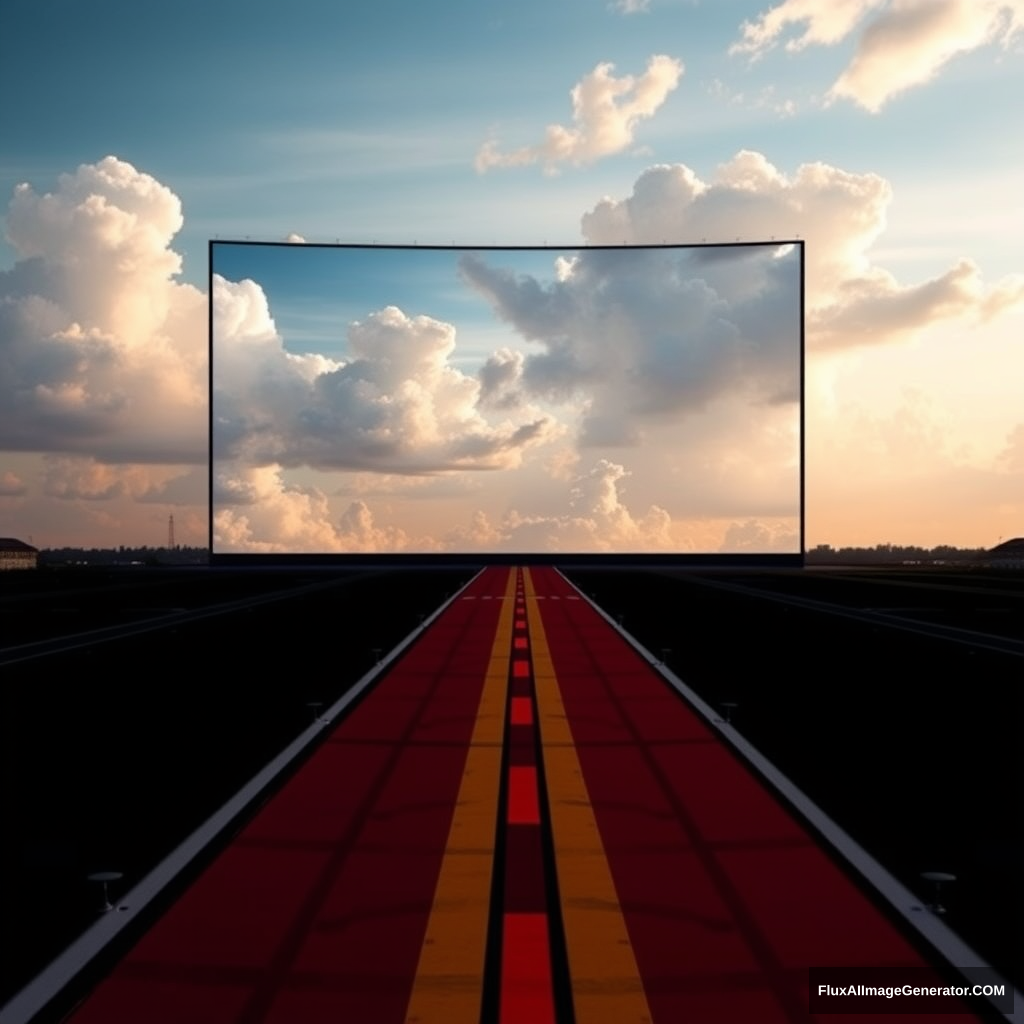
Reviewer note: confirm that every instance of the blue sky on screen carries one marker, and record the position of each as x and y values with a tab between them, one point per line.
883	132
314	291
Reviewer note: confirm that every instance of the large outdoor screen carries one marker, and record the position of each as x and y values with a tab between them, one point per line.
640	401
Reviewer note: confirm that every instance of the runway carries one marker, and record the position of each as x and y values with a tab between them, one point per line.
520	822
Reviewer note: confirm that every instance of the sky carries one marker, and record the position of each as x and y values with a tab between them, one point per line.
885	134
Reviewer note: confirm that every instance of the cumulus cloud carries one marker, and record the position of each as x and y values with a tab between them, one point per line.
71	479
905	45
499	379
910	42
638	336
397	406
598	520
358	531
11	485
273	519
192	487
102	353
631	6
876	305
606	111
258	512
824	24
596	496
849	300
754	535
295	239
80	478
441	487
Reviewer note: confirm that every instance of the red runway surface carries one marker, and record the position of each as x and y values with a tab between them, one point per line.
520	823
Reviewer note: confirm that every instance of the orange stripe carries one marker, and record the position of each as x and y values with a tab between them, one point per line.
606	982
448	985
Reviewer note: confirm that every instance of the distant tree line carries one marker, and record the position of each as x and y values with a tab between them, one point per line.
179	555
821	554
893	554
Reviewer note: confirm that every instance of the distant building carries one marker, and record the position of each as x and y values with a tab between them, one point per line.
16	554
1008	555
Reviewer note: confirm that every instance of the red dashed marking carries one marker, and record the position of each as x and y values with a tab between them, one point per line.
522	711
523	805
526	990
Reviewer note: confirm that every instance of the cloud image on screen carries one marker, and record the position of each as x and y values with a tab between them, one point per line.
417	401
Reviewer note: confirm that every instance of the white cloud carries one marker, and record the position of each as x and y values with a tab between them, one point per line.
11	485
908	44
274	518
606	111
596	497
598	520
295	239
397	406
642	336
840	215
500	378
358	531
877	306
825	24
753	535
101	352
904	46
78	478
441	487
631	6
257	511
80	501
855	309
72	479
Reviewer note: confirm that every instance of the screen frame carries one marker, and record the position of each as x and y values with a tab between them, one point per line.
475	559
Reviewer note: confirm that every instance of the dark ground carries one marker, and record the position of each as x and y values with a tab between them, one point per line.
112	753
910	742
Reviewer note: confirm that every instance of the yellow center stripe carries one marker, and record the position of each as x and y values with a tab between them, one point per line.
606	982
449	979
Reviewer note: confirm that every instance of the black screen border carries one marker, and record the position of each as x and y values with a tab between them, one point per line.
737	560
